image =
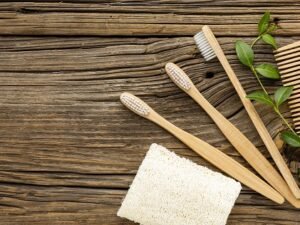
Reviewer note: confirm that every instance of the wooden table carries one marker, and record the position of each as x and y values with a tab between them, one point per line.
69	149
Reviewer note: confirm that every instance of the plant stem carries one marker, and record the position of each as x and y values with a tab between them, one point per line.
275	107
283	119
259	81
260	36
255	40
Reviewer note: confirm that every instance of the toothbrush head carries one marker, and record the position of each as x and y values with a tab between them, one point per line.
135	104
203	45
178	76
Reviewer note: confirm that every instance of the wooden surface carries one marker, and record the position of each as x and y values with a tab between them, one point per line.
69	149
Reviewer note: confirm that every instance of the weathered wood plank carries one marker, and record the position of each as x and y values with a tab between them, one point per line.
27	204
57	119
140	19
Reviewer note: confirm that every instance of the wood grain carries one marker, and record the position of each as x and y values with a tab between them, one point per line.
71	205
149	18
69	149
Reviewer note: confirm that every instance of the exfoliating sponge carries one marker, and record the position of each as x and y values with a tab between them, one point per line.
170	190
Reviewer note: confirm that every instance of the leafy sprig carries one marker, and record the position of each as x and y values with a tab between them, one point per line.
246	56
265	27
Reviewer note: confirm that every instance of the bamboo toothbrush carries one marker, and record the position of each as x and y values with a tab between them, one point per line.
241	143
210	48
288	61
208	152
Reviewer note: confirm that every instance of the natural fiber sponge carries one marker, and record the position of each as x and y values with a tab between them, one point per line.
170	190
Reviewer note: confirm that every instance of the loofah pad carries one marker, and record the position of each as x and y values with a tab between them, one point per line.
170	190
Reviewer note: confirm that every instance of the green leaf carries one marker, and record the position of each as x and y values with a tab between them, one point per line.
291	138
268	71
269	39
272	27
282	94
244	53
264	22
261	97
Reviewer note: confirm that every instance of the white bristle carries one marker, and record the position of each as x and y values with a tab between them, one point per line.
178	76
135	104
206	51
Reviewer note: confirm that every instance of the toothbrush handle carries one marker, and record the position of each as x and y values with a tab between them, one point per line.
241	143
219	159
258	123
